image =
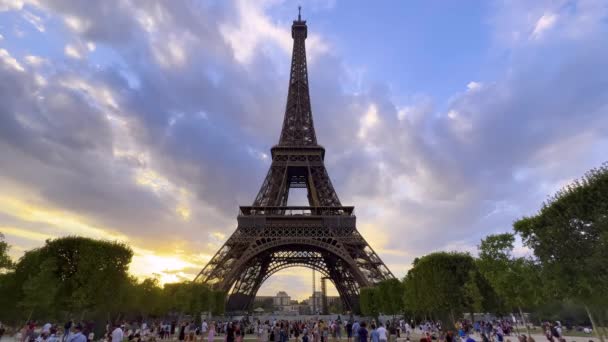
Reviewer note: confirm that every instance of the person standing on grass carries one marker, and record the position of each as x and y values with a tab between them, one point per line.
349	331
373	335
77	336
356	327
230	332
117	334
382	336
363	333
211	334
204	327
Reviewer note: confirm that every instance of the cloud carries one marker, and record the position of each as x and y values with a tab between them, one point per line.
159	126
9	61
34	60
35	20
71	51
6	5
544	23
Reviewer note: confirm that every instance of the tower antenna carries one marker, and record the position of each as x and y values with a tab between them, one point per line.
299	9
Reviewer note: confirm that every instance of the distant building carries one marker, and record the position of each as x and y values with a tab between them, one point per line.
317	299
282	299
281	302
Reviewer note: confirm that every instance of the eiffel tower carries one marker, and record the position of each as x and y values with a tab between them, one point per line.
272	236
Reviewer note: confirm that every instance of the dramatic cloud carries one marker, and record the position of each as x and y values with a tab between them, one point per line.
150	122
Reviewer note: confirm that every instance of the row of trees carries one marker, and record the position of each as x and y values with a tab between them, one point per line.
569	239
82	278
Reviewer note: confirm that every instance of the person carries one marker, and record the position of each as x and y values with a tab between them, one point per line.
449	337
356	327
2	330
211	334
67	327
204	327
349	331
117	334
426	337
229	332
182	331
296	332
29	333
363	333
374	335
46	329
43	337
238	337
192	332
382	333
77	336
264	331
53	336
392	330
499	334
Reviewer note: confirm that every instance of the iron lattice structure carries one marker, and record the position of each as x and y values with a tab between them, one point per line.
272	236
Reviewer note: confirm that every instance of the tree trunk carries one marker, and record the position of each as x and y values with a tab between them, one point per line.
29	317
595	327
516	327
454	321
523	319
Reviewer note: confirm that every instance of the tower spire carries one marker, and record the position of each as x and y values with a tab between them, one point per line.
298	128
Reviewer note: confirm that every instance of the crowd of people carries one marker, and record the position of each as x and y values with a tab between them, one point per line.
311	330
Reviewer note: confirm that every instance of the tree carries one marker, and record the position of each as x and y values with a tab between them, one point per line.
390	296
335	307
147	297
436	284
369	298
6	264
516	281
40	290
8	302
218	302
9	312
85	277
76	274
569	236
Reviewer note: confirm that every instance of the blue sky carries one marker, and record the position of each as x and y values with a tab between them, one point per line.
150	122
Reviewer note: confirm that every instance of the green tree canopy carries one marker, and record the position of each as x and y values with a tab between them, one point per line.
516	281
6	263
569	236
444	285
74	274
77	276
390	296
369	301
